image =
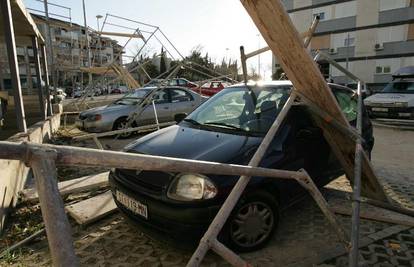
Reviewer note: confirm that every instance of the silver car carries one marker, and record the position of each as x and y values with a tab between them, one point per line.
168	102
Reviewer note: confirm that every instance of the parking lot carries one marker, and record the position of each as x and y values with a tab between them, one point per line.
304	237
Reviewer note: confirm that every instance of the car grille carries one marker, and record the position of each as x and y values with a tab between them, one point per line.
385	105
152	182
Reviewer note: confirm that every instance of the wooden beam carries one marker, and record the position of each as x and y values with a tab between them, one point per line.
7	19
285	42
58	230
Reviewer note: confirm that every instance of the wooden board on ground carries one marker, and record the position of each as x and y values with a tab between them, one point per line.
92	209
283	39
78	185
343	206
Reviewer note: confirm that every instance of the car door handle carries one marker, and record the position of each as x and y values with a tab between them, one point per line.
165	107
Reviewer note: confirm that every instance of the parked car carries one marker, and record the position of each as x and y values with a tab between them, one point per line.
182	82
168	102
228	128
155	82
211	88
77	93
397	98
116	91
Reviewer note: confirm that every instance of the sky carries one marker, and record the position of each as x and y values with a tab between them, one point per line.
218	26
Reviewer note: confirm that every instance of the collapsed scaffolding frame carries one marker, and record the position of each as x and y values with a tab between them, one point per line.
44	158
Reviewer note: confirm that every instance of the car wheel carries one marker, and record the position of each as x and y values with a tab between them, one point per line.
253	222
121	124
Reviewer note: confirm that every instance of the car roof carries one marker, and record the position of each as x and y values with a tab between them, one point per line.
283	83
164	87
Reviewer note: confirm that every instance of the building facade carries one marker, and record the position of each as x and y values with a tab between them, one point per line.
372	38
69	55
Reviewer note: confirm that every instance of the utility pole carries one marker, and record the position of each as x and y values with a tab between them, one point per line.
50	47
87	41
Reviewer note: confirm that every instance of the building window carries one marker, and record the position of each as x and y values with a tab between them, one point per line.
383	70
321	15
349	41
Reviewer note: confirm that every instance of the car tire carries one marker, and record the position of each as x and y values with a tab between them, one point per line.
252	222
120	124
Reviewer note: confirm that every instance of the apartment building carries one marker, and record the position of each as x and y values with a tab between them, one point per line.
69	54
372	38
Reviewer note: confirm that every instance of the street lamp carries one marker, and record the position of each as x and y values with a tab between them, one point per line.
98	17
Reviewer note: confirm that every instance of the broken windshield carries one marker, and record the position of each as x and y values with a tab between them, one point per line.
240	108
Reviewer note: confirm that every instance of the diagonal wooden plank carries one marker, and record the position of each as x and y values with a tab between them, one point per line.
78	185
284	40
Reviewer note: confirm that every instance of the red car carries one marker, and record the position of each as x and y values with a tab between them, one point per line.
182	82
211	88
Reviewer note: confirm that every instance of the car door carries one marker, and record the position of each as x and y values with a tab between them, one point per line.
162	106
181	101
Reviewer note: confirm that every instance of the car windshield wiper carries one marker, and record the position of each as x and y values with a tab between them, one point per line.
192	121
224	125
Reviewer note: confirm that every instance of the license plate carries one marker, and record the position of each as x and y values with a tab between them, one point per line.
380	109
132	204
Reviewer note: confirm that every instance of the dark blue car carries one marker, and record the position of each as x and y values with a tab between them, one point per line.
228	128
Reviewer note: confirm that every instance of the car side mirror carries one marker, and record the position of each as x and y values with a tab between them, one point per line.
179	117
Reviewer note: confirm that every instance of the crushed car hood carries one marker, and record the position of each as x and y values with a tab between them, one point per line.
389	98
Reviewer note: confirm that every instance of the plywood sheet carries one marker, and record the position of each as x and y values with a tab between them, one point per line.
92	209
283	39
78	185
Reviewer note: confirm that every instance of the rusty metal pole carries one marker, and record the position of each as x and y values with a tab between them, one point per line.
210	237
46	80
35	47
57	225
354	255
13	63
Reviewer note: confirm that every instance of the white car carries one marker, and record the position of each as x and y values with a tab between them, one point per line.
396	100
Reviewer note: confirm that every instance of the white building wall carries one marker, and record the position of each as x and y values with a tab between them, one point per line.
347	9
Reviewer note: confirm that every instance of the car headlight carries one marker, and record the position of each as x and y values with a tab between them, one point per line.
401	104
96	117
189	187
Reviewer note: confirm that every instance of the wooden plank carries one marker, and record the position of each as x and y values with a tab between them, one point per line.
342	206
78	185
58	229
284	40
92	209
